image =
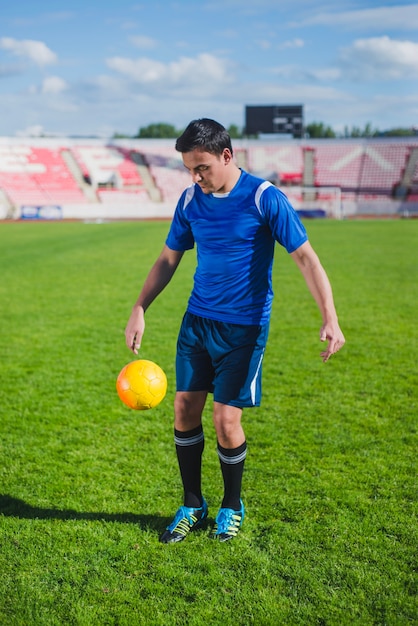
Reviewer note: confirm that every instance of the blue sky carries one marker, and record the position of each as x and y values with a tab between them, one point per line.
95	68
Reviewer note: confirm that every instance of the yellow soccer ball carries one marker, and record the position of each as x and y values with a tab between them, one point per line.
141	385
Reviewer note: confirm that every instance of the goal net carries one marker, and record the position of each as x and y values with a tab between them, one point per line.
315	201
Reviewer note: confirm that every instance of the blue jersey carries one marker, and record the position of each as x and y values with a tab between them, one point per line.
235	234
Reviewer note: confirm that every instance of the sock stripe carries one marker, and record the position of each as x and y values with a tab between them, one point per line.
232	460
188	441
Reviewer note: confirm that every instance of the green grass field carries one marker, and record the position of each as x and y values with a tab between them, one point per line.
330	536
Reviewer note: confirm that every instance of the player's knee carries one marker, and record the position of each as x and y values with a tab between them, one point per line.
225	433
227	420
188	410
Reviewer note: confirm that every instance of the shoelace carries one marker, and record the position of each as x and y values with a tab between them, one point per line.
179	521
228	521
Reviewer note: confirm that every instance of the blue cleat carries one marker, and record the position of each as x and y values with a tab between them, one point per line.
186	519
227	523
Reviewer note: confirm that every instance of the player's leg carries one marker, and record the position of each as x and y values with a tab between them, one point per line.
194	375
189	442
232	450
238	352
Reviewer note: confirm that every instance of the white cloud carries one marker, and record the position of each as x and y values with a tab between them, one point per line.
143	42
54	85
298	73
31	131
380	58
289	44
326	73
105	83
205	67
403	17
206	72
141	70
35	51
293	43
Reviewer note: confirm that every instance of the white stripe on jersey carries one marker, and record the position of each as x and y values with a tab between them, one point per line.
259	191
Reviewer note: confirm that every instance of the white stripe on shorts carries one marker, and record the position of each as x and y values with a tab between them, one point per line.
253	385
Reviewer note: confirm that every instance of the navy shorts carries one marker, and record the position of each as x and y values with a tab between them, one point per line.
224	359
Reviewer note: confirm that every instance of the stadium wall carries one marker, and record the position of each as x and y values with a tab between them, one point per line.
94	212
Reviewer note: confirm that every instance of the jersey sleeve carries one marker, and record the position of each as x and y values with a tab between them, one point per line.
180	236
282	219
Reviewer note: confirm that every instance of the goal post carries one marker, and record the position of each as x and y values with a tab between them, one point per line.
315	201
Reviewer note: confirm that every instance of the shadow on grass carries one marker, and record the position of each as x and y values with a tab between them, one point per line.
14	507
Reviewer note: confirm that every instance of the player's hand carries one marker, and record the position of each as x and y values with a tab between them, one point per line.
135	329
333	334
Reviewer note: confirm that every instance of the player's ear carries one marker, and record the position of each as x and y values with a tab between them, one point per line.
227	156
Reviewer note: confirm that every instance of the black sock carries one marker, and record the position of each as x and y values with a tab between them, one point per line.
232	466
189	448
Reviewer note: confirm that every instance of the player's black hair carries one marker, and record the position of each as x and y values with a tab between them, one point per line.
204	134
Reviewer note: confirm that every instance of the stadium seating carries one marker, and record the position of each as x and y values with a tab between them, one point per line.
167	169
36	176
283	162
129	173
382	168
110	166
336	162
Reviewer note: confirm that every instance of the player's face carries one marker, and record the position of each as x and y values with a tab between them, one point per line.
209	171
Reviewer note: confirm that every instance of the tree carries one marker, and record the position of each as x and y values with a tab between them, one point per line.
400	132
234	132
318	130
356	131
117	135
158	131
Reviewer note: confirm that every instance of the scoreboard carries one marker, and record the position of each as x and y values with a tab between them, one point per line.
276	119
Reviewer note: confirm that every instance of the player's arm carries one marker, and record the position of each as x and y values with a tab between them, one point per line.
317	280
158	277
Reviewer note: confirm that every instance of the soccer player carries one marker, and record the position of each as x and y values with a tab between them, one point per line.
234	219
